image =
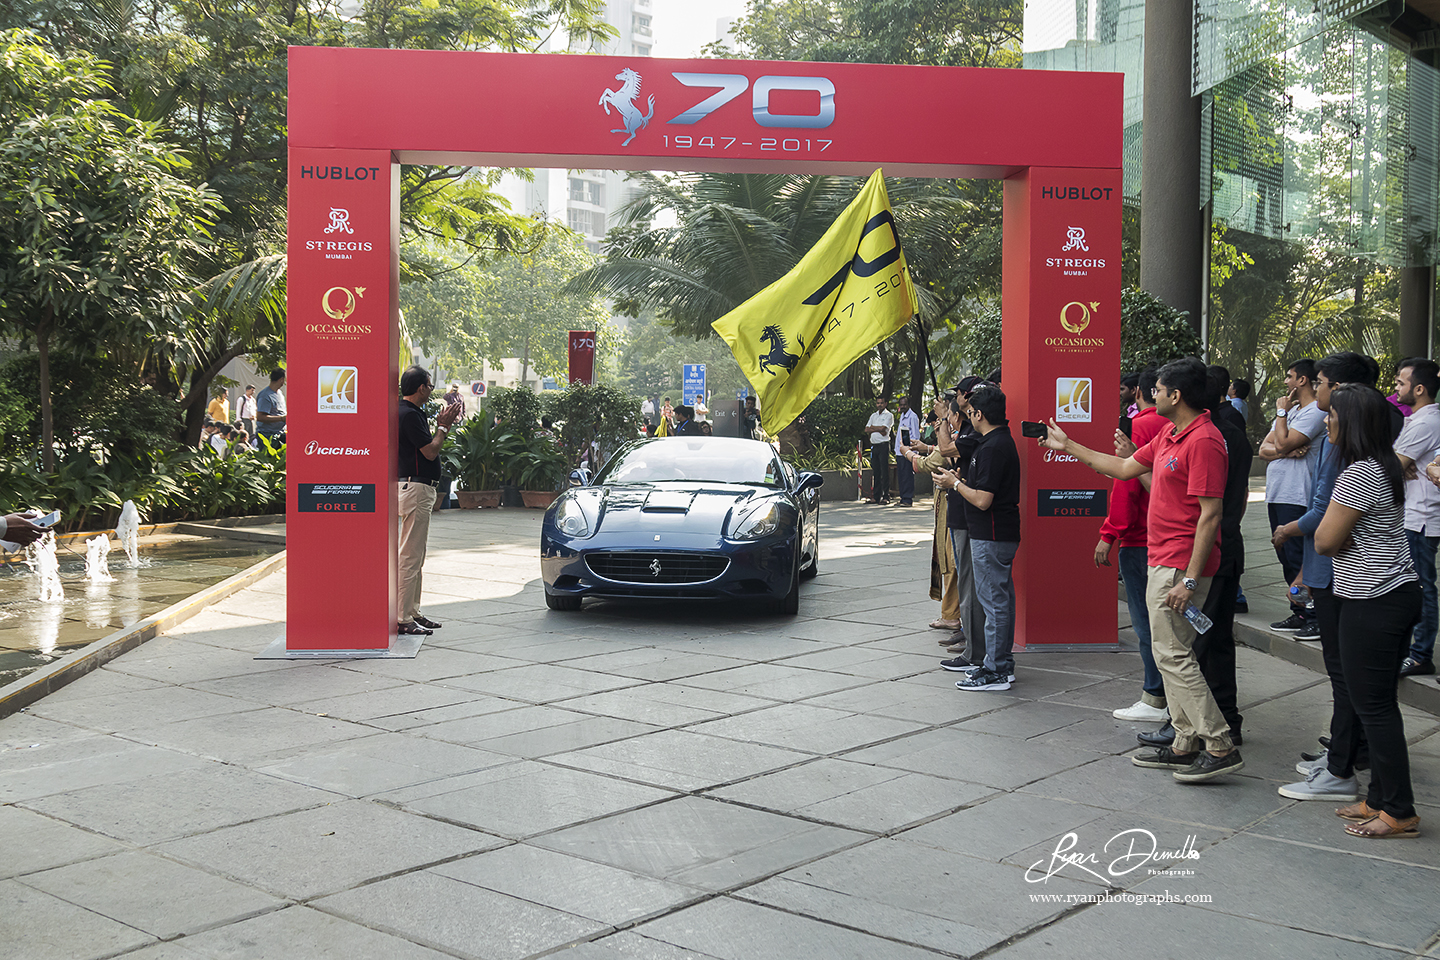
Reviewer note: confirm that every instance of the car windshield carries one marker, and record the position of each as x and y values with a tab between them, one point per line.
708	459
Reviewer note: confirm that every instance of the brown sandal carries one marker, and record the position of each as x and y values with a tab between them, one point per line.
1385	827
1357	812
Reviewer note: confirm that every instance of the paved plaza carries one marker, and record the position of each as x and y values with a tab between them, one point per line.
666	782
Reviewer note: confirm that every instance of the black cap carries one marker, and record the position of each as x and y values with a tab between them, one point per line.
969	385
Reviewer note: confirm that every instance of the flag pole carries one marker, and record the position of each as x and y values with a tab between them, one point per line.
925	348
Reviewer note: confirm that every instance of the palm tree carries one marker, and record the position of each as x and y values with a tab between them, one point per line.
730	235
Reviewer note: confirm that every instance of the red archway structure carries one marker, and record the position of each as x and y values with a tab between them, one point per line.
357	114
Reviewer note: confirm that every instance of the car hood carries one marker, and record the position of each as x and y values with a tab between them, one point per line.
698	508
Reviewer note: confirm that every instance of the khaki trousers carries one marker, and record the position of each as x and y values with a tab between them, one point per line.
416	503
1193	709
950	596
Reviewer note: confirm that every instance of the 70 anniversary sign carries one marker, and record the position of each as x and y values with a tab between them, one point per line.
355	117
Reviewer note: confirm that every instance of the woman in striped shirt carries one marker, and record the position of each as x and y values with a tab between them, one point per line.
1378	596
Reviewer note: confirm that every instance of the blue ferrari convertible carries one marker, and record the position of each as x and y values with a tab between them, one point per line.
682	518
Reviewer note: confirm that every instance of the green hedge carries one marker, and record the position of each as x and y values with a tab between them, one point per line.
185	484
836	423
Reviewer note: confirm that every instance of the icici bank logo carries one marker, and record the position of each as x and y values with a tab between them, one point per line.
1052	457
313	449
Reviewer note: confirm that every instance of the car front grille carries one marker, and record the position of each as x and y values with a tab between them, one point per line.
657	567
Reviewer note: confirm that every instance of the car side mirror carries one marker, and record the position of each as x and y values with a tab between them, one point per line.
580	478
810	481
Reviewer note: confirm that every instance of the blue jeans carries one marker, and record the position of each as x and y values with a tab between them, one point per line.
1134	568
1422	551
995	587
1291	553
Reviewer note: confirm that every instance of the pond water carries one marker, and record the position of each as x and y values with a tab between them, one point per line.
172	568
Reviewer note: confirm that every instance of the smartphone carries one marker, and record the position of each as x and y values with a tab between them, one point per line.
905	437
49	520
1033	429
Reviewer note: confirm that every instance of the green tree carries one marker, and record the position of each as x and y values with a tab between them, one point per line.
964	33
96	228
735	234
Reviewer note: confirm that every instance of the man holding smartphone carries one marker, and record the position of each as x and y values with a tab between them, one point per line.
907	431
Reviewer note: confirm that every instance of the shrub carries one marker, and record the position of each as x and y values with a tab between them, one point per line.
597	413
837	422
96	403
518	410
1152	331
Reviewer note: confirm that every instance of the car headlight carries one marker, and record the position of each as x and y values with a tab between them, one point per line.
570	519
762	521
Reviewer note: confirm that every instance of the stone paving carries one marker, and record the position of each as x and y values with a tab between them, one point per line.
665	782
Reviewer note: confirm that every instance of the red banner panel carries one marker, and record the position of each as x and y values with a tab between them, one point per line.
582	356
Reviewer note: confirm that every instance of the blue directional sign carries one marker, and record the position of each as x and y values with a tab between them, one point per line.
694	383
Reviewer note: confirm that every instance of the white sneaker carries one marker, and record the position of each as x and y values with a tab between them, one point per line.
1142	711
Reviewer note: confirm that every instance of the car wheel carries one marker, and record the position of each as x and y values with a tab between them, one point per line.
812	571
789	605
557	602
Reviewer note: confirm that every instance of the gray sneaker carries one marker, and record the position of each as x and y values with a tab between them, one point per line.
1323	785
1307	767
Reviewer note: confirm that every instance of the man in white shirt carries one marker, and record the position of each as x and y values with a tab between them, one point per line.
907	430
1288	478
1417	381
247	411
647	414
880	427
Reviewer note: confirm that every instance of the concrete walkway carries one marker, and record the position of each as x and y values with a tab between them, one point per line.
670	782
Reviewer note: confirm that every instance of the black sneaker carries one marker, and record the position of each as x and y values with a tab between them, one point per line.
1311	631
1207	766
983	679
1158	738
959	664
1412	667
1290	624
1242	607
1163	758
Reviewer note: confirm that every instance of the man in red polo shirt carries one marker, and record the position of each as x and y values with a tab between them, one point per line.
1188	464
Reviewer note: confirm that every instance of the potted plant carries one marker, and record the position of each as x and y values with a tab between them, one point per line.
478	457
541	471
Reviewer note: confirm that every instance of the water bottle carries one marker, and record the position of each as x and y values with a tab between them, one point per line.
1197	619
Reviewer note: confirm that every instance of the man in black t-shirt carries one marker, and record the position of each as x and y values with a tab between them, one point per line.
990	488
418	472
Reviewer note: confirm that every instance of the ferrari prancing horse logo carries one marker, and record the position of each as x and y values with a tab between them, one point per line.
623	100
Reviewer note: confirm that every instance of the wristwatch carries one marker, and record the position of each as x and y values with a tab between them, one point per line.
1282	413
1191	584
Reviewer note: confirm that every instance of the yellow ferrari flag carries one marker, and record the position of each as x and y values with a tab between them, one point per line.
849	292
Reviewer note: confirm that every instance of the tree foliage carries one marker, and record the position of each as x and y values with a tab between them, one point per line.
957	33
97	231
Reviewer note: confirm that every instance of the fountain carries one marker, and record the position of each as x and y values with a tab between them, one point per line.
47	565
97	560
128	531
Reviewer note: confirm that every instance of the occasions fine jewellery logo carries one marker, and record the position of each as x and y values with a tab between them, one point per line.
336	248
338	303
1075	317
